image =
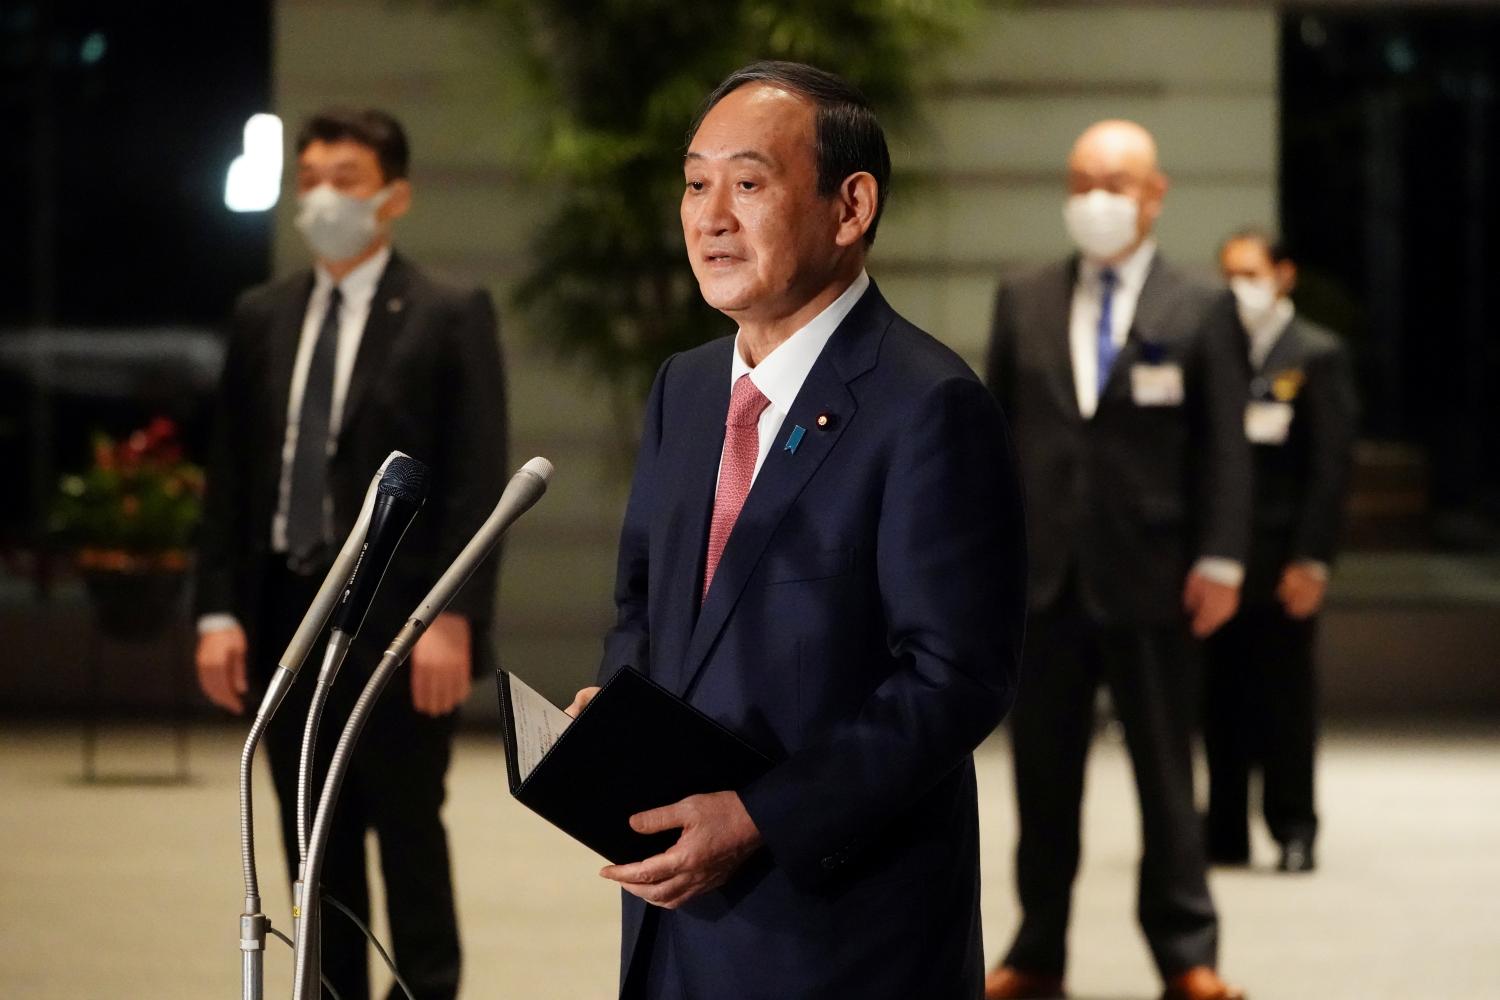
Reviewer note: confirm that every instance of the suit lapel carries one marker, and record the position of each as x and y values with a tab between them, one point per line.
1058	317
1283	353
388	310
286	334
686	540
785	473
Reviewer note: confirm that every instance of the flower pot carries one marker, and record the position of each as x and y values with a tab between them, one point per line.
135	596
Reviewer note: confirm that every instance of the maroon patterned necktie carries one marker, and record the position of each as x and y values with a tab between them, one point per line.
736	468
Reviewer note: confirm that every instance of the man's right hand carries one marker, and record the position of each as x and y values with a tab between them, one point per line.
581	699
221	668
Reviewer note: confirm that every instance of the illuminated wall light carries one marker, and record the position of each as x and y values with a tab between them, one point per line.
254	180
93	48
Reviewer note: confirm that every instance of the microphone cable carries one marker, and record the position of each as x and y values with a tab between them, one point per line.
369	936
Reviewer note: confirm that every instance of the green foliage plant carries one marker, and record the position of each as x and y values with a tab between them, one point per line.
618	83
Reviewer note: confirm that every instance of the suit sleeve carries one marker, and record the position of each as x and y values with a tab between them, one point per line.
1332	412
1223	483
475	459
951	568
221	535
628	643
999	365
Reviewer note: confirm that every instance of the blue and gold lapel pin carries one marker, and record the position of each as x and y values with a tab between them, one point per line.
794	439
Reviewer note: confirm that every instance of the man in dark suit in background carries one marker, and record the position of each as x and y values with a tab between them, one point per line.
856	613
1123	382
328	371
1261	696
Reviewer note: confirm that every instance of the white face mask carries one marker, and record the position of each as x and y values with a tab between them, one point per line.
1254	299
338	226
1100	223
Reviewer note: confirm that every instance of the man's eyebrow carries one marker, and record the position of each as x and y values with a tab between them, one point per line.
744	154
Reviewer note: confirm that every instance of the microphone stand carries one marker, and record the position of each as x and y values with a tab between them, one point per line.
254	925
523	491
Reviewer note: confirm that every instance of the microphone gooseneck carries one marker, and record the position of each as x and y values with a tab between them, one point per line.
521	493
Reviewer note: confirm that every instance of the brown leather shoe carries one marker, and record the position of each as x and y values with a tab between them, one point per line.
1201	983
1008	983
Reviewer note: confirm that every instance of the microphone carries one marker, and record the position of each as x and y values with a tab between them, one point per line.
399	494
333	583
254	924
521	494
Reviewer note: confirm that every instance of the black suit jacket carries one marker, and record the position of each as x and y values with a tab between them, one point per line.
1129	499
1301	484
427	380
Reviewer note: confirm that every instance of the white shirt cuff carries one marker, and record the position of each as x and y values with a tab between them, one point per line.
1216	569
217	622
1316	567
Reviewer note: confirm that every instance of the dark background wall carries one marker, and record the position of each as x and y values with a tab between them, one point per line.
1366	130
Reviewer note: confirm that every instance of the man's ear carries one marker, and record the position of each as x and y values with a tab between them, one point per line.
858	197
1286	276
1153	193
398	204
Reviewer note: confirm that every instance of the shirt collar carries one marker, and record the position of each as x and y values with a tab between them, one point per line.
1130	272
359	284
1265	334
780	374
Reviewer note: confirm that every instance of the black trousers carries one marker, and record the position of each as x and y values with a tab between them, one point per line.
1151	674
1260	711
395	785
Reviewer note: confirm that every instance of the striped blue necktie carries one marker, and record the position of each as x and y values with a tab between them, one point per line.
1107	349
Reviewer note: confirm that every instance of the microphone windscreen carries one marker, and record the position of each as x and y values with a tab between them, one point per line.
539	467
405	478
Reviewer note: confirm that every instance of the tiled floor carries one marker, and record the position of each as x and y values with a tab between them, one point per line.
132	890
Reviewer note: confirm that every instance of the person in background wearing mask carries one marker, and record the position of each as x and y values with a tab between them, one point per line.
1260	694
329	370
1124	384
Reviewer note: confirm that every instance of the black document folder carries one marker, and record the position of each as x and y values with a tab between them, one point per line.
635	747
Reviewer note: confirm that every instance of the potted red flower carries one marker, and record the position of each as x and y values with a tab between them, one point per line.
129	520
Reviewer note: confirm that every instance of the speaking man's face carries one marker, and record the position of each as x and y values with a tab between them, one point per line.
760	239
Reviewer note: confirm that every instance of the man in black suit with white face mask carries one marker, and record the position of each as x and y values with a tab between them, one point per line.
1260	695
1124	385
328	371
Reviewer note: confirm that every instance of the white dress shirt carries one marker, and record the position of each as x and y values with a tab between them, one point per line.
358	290
1083	318
780	374
1265	334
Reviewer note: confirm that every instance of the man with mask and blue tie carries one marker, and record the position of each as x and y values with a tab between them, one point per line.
328	371
1260	695
1124	384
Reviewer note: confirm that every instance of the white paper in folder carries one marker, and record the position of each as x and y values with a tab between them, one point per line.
538	724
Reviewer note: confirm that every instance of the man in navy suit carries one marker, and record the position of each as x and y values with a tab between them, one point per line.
824	551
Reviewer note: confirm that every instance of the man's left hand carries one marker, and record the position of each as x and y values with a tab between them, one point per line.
440	663
1301	590
1208	604
718	835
